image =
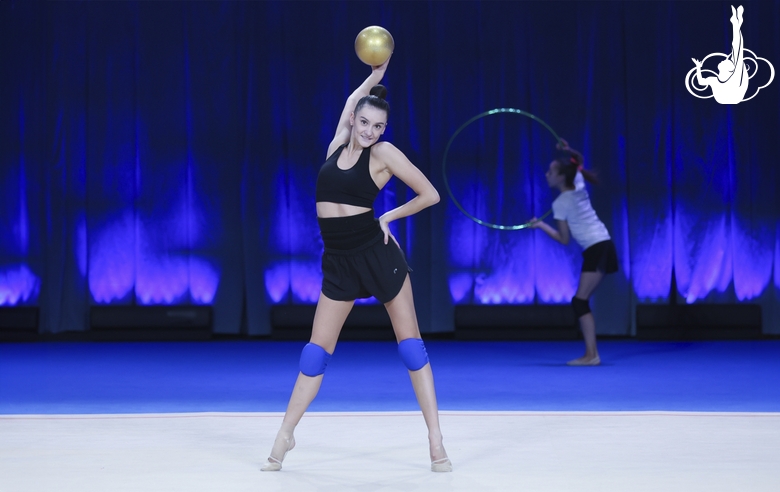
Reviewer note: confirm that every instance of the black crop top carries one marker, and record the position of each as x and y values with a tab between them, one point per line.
352	186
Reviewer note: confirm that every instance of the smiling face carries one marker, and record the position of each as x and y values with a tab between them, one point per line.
368	125
555	178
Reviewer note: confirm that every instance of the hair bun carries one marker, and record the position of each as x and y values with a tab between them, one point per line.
379	91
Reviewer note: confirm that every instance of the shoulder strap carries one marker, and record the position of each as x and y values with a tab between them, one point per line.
366	155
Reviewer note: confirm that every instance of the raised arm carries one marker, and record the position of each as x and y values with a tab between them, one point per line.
343	128
397	164
701	80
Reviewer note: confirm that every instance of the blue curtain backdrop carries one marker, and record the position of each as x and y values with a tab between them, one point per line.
166	152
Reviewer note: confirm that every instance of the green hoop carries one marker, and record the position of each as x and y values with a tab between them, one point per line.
444	167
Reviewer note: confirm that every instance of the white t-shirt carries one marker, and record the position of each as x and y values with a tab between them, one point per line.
574	207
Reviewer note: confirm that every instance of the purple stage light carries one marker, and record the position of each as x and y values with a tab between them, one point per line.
277	281
161	280
22	230
460	286
305	280
204	281
557	271
502	288
18	284
510	276
367	300
123	258
111	262
652	262
168	280
752	260
702	256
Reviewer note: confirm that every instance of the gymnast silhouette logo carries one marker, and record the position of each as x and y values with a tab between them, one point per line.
730	84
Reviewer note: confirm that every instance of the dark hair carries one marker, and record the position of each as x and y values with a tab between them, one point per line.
569	162
376	98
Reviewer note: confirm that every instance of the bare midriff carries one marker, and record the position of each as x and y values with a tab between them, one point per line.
326	210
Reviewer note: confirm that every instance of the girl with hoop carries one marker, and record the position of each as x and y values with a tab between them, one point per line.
576	218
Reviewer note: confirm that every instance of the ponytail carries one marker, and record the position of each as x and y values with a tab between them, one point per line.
572	162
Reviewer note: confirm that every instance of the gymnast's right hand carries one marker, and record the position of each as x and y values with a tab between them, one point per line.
382	67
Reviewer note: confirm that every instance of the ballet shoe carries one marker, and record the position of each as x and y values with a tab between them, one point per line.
585	362
274	464
442	465
271	465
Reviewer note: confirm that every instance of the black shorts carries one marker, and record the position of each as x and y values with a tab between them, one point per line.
600	257
360	265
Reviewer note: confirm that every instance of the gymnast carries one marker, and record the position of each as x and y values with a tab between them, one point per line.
576	218
362	259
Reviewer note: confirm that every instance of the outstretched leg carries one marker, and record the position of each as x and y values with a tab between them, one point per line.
328	320
588	283
737	44
404	320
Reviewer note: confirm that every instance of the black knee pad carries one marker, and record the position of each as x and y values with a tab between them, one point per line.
581	306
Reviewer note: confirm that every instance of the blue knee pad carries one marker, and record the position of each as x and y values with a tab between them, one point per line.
581	306
314	359
412	352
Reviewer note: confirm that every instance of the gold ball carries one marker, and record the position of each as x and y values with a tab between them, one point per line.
374	45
